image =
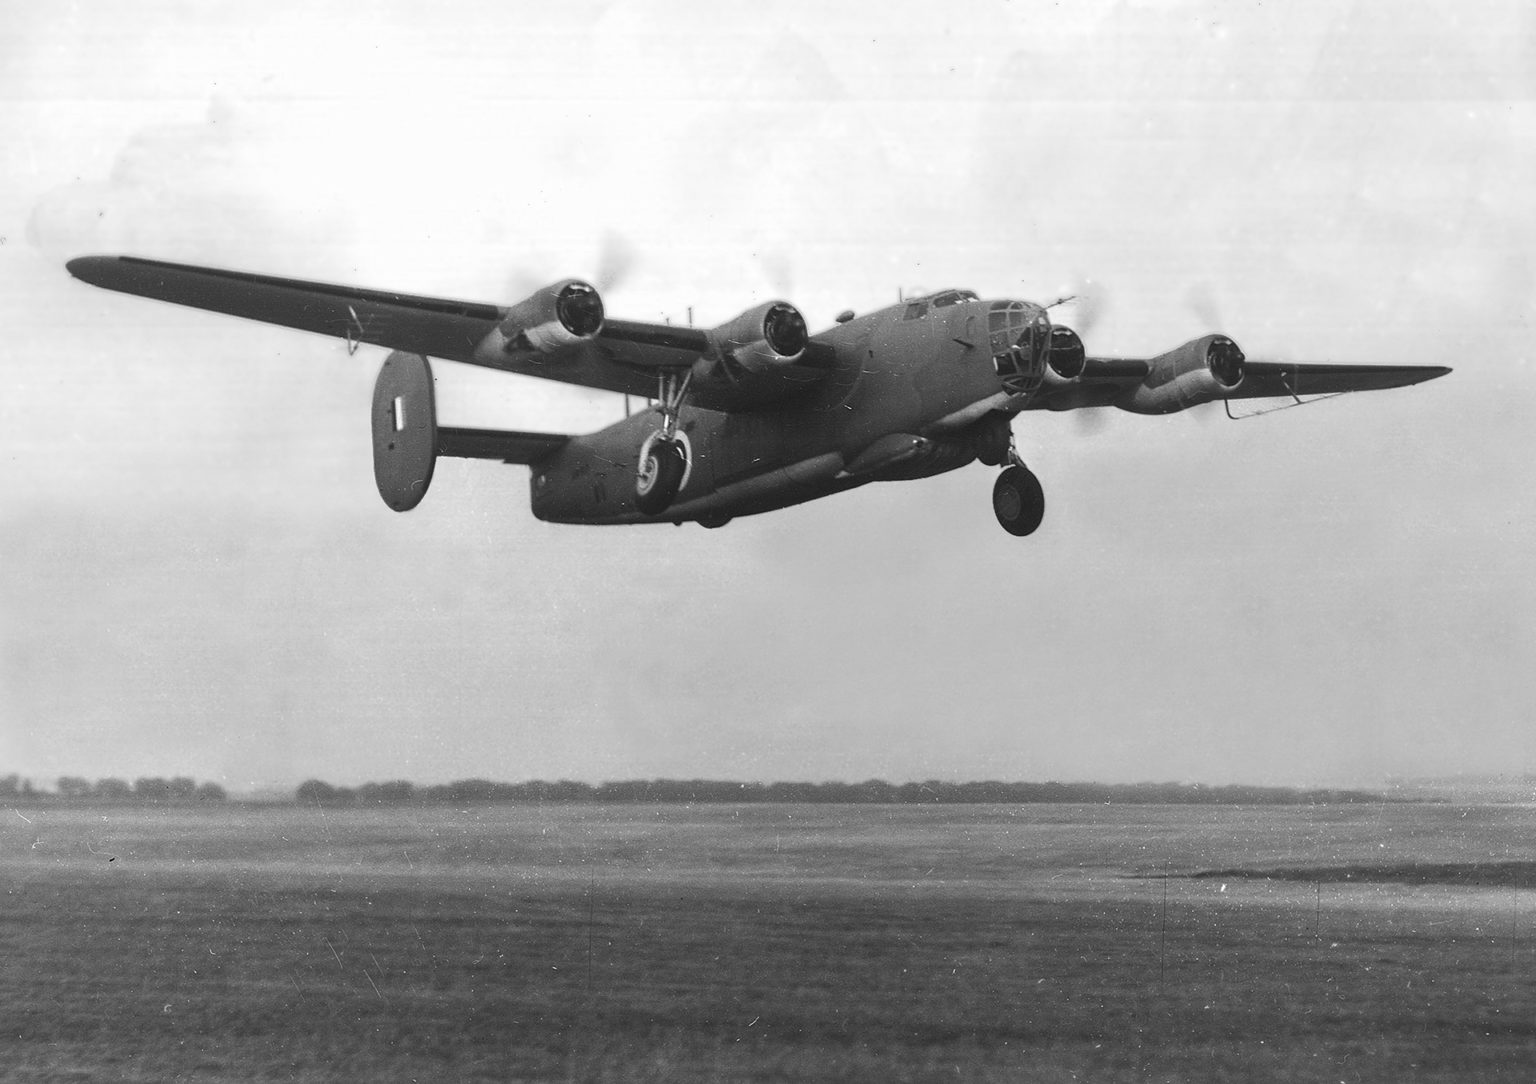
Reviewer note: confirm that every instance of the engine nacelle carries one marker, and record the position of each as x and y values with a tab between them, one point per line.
560	315
1066	358
1201	371
763	338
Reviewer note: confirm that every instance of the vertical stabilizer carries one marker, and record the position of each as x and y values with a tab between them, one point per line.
404	430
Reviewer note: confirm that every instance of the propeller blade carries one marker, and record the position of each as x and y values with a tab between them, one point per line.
1201	300
1204	414
615	260
1091	421
616	257
1088	302
777	272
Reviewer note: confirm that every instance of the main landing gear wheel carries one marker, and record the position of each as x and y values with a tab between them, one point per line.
665	455
662	466
1018	500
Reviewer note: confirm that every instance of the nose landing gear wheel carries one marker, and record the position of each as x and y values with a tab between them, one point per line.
660	476
1018	501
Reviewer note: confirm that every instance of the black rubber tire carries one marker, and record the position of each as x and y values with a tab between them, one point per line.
1018	501
657	482
714	521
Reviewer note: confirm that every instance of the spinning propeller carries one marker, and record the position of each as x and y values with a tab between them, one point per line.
1088	300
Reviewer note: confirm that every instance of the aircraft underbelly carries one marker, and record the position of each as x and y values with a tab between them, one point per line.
748	462
742	464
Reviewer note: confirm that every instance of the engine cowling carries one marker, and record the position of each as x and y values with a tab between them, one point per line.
1201	371
559	315
764	338
1066	359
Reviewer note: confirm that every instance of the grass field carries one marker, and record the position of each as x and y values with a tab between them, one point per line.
580	942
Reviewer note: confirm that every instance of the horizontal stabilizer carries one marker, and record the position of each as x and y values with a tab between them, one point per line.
407	439
499	444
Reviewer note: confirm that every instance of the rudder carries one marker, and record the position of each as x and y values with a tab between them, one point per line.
404	430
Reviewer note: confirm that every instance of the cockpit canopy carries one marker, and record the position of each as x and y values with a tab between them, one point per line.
949	297
917	307
1006	319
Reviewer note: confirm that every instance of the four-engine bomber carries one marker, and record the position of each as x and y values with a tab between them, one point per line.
750	416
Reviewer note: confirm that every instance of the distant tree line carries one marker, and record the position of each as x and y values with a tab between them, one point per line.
874	791
76	789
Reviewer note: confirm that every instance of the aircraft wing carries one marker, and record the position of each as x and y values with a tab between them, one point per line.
1303	378
1287	378
1104	381
624	356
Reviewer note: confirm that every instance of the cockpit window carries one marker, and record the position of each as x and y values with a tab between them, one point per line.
916	311
1005	315
952	297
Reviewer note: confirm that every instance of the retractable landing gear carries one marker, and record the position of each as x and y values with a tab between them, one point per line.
994	439
664	457
662	466
1018	500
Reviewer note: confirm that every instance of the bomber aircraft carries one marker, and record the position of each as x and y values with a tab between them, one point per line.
750	416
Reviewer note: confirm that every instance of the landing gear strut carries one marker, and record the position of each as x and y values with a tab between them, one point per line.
664	457
994	439
1018	500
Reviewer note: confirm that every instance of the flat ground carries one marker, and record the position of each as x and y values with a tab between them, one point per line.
769	943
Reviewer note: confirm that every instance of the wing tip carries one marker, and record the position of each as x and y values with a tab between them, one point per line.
81	266
92	269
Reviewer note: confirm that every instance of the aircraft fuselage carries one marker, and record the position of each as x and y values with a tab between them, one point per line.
907	382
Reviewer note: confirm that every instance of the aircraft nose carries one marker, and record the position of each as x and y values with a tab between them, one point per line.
1022	366
1038	334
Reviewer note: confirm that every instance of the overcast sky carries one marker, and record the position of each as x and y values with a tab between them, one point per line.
197	575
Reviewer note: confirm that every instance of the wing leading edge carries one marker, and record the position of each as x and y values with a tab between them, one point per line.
1122	382
419	325
1287	378
625	356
